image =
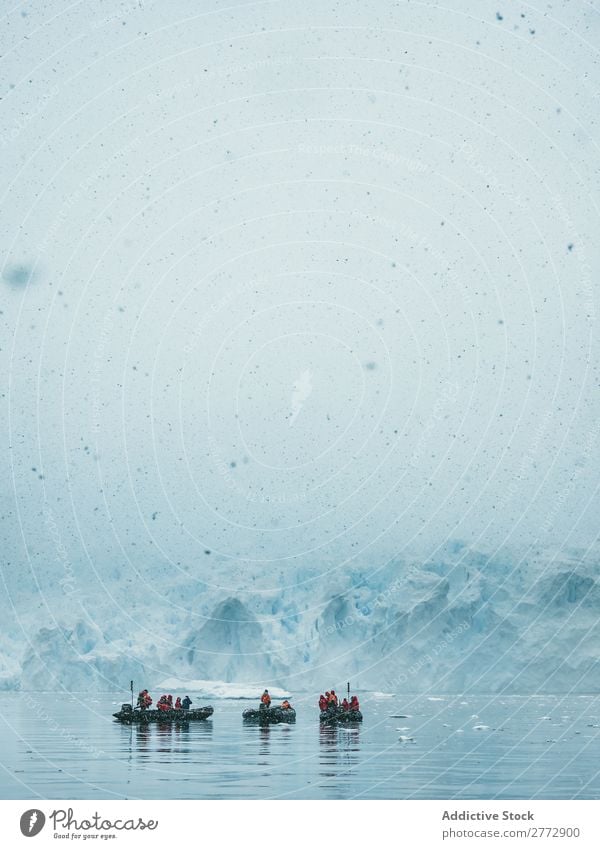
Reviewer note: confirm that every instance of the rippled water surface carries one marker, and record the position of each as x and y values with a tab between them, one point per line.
463	747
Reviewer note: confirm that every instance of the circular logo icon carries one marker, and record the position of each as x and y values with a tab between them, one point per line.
32	822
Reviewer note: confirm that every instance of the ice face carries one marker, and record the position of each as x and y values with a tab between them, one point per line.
464	623
295	297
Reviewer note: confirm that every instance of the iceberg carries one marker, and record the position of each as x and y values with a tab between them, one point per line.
219	689
465	622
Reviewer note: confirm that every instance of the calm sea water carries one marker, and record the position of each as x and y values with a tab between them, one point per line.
455	747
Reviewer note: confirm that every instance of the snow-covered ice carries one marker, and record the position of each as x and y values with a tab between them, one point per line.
299	336
219	689
492	618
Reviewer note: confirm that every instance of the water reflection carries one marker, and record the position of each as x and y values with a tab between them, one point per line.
264	738
142	740
515	757
282	734
338	747
286	735
145	740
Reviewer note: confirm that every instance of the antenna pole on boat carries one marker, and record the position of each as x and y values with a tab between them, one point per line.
348	690
131	688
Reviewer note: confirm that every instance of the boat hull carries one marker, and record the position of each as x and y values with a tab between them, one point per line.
269	716
339	716
143	716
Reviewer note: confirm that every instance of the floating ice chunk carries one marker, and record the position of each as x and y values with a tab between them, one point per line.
219	689
403	739
435	699
403	728
480	727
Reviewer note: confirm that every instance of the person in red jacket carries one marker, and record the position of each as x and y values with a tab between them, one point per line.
333	699
265	699
322	702
345	704
354	705
162	703
170	701
178	703
144	700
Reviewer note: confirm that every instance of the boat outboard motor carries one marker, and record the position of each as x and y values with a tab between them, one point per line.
126	708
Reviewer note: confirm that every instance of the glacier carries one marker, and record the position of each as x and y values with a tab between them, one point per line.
466	621
292	295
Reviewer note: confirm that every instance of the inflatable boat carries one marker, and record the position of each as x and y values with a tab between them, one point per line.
333	716
127	714
269	716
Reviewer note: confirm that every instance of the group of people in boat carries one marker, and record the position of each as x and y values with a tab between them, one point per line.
144	702
265	702
330	701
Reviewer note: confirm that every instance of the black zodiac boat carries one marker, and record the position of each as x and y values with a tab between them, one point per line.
127	714
269	716
333	716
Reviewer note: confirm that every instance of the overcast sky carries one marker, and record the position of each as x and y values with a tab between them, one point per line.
298	280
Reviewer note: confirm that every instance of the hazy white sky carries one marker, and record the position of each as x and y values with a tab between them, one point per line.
298	280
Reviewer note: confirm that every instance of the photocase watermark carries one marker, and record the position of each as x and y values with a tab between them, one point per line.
340	625
40	712
68	582
401	229
527	462
20	123
84	191
195	82
32	822
99	361
427	658
89	183
129	9
254	496
300	394
559	502
445	399
357	150
229	298
585	281
96	822
381	600
473	157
